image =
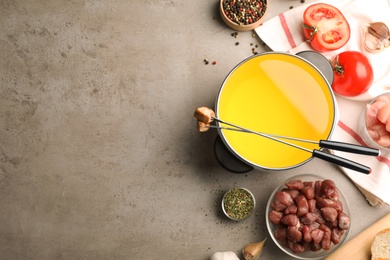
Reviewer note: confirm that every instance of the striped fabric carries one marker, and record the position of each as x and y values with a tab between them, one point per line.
284	33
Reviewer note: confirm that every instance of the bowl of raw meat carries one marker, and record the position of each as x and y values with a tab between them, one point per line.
374	123
308	217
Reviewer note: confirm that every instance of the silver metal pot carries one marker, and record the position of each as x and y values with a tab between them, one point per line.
276	93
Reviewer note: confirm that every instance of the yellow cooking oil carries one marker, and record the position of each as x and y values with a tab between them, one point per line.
279	94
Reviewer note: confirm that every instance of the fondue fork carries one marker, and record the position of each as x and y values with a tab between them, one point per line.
317	153
334	145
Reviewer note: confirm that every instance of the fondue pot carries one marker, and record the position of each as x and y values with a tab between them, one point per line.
279	94
276	111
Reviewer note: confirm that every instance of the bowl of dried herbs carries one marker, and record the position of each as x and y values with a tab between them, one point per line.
243	15
238	204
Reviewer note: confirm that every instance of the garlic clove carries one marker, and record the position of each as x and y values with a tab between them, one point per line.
252	251
372	44
379	30
228	255
376	37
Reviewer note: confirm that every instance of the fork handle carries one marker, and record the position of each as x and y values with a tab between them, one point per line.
341	161
350	148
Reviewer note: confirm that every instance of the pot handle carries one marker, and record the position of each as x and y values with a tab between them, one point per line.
341	161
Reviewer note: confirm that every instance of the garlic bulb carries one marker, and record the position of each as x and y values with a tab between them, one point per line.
376	37
253	251
229	255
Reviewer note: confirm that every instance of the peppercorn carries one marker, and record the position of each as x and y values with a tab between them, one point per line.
244	12
237	43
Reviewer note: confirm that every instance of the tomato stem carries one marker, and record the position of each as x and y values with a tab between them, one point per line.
336	66
313	30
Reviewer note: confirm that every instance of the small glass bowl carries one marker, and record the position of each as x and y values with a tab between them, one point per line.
236	197
309	255
362	127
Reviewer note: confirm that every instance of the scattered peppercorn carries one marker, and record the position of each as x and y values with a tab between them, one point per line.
291	7
237	43
302	1
206	61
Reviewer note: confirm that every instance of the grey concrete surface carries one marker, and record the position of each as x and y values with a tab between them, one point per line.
99	154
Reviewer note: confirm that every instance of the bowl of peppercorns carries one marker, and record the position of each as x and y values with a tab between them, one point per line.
243	15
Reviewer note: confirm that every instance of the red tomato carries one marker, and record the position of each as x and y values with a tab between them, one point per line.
325	27
353	73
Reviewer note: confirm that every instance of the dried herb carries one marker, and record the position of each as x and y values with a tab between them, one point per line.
244	12
238	203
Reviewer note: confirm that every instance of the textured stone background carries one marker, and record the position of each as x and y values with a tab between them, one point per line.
99	153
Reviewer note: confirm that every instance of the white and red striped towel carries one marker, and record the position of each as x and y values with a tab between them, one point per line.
284	33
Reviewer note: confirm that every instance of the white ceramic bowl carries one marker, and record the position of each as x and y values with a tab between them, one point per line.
309	254
247	194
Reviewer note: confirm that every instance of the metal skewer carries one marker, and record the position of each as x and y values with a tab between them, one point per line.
273	135
334	145
263	135
316	153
